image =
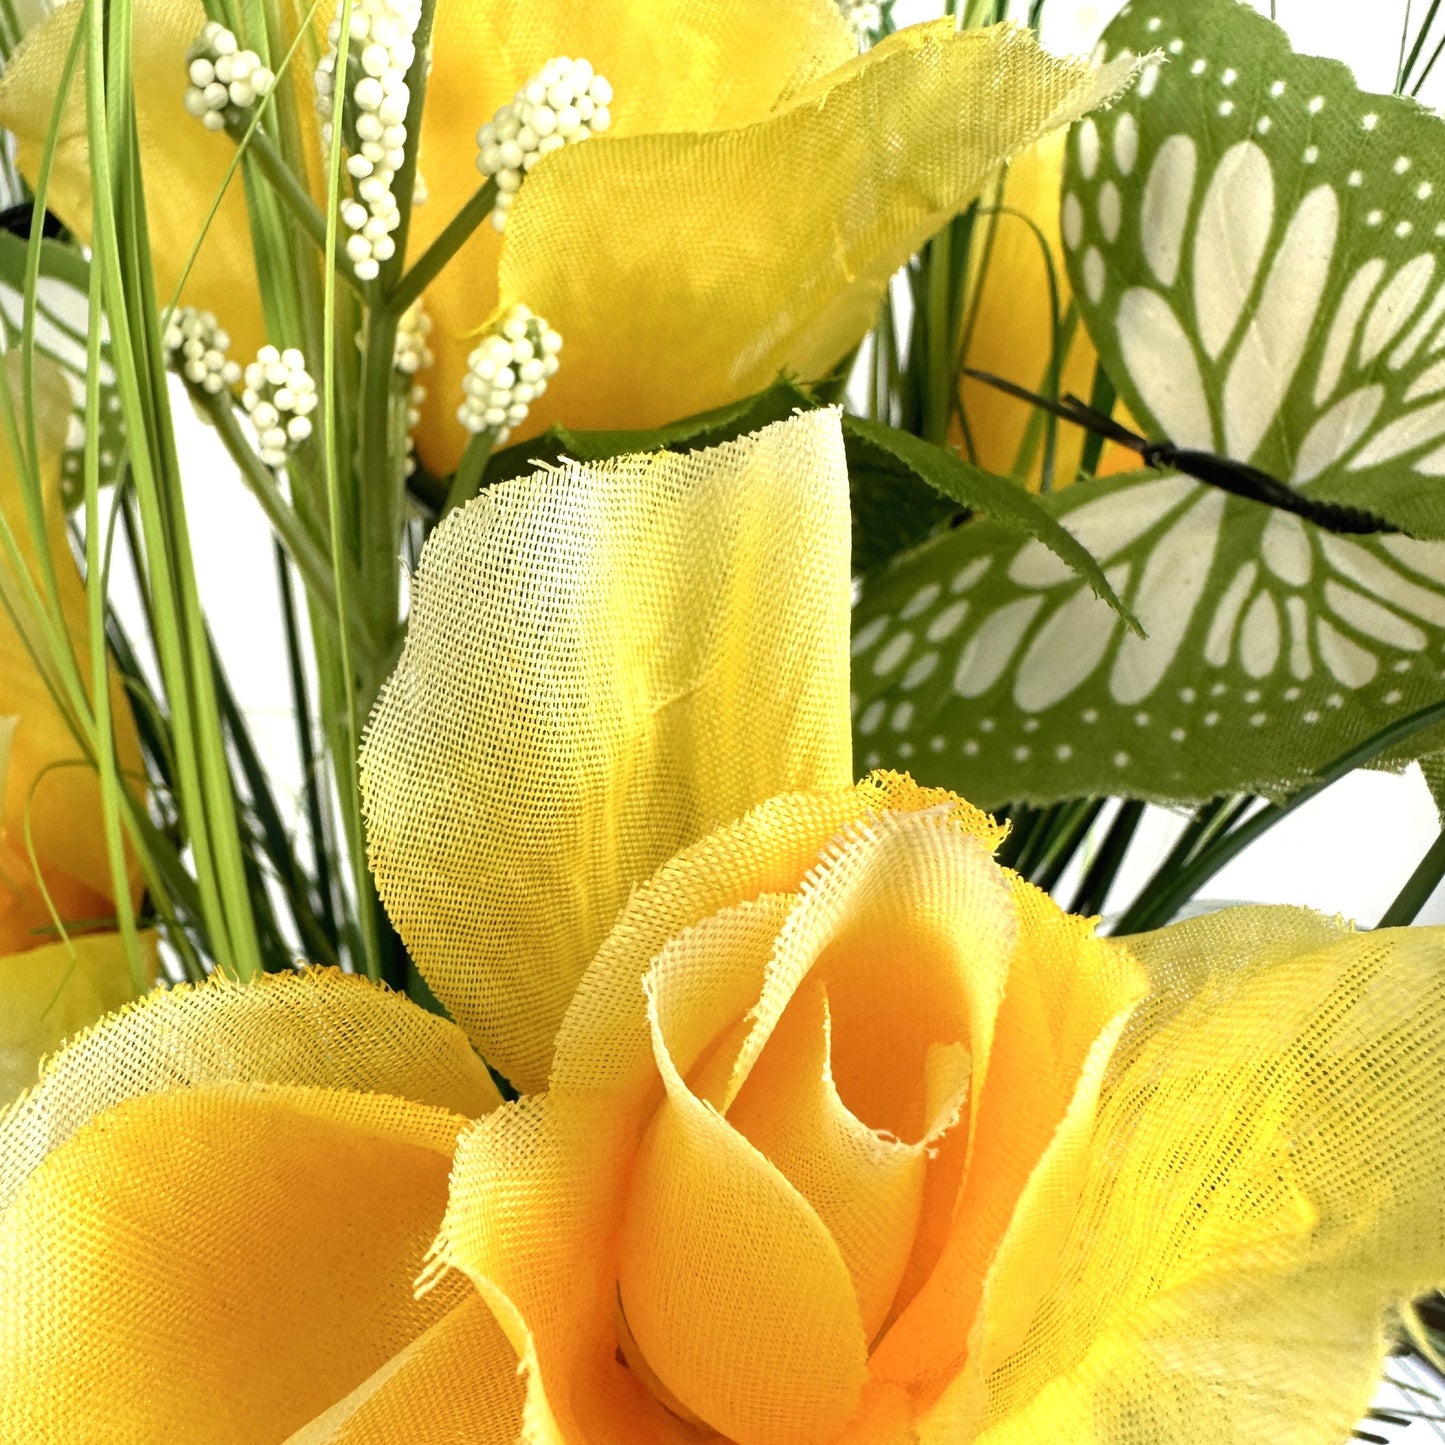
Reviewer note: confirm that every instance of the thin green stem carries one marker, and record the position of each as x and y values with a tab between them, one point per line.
1054	860
335	464
467	480
1166	901
429	264
305	550
1418	888
1094	890
97	582
297	199
311	783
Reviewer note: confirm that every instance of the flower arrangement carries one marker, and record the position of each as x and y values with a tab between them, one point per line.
713	453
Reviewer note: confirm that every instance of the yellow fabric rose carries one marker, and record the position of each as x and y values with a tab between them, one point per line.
832	1131
758	186
48	988
1022	278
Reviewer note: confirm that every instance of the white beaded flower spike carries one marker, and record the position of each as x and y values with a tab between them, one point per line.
413	354
507	372
225	81
279	397
565	102
380	52
197	347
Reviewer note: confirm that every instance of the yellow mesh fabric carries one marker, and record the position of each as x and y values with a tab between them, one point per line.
319	1028
602	666
184	164
218	1264
47	994
456	1384
1264	1177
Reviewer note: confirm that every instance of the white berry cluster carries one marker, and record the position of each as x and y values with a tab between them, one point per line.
279	398
565	101
413	355
196	346
226	81
508	372
865	16
380	52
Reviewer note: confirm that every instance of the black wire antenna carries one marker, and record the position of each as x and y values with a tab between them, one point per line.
1237	478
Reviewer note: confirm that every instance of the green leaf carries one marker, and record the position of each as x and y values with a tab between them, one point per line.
61	322
1006	502
1253	243
1272	648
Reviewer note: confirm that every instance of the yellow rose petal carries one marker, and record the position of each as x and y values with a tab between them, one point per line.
218	1264
908	928
686	270
321	1027
673	66
183	163
1264	1180
50	993
732	1286
457	1381
604	1041
602	666
1068	996
866	1186
532	1219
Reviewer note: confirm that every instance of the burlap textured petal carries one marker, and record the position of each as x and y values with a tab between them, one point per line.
49	993
184	164
49	783
321	1027
456	1384
603	665
1264	1178
218	1264
686	269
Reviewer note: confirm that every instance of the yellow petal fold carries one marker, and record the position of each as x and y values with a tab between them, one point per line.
603	665
457	1382
48	783
684	270
318	1028
1068	995
218	1264
733	1287
183	164
1264	1180
47	994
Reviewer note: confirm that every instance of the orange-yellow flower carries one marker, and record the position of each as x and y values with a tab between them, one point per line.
758	186
49	988
831	1129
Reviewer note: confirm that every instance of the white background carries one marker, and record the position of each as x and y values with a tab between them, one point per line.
1347	852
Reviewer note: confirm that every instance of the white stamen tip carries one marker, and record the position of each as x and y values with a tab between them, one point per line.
507	371
565	102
